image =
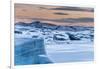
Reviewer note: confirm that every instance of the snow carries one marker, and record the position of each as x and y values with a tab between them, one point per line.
56	51
70	52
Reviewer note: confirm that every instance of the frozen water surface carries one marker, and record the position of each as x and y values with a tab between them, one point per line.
38	46
70	52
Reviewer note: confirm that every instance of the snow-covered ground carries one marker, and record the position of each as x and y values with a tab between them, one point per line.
59	45
74	52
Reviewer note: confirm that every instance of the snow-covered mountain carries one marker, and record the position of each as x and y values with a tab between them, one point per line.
53	32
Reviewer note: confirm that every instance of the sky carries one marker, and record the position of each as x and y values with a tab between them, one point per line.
77	3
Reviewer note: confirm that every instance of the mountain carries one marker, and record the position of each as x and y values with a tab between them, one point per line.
41	25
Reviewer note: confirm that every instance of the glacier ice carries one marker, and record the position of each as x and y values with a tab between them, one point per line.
57	43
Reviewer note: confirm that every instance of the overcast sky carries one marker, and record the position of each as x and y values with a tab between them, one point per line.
80	3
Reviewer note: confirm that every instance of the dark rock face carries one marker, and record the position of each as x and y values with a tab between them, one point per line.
60	37
36	24
73	28
73	37
18	32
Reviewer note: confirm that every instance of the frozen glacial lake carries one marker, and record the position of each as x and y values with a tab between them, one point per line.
75	52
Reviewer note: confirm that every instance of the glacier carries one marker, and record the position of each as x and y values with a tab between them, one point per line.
42	43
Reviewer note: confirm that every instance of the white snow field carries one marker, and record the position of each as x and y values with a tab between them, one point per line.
57	46
74	52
